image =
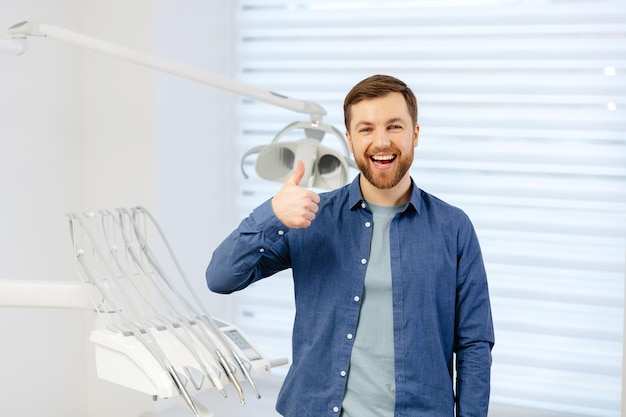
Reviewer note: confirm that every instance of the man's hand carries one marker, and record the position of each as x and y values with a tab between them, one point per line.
295	206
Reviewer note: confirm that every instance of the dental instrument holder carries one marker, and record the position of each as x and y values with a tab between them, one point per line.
123	360
155	339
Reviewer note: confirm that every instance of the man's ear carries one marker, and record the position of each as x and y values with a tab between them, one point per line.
416	135
349	140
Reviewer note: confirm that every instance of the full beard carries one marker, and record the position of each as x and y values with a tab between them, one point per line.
385	180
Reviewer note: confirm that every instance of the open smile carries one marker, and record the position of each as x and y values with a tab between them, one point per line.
383	159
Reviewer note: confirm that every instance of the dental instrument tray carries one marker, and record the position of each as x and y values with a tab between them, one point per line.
123	359
155	335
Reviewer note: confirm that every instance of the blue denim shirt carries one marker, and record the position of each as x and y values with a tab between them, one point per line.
440	301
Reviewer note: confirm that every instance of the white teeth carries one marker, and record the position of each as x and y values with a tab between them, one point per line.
383	157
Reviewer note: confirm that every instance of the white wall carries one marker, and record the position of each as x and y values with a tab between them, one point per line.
76	133
42	352
194	137
82	131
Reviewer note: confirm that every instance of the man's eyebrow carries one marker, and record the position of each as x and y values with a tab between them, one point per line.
363	123
388	122
396	120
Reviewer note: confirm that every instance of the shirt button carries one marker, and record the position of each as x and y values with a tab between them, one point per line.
281	232
368	224
363	261
357	298
335	409
343	373
363	205
349	336
262	250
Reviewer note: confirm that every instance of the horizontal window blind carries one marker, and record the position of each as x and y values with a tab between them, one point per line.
522	107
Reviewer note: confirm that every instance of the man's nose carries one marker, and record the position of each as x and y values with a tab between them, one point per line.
381	139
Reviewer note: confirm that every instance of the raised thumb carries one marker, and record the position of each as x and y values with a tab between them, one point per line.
298	173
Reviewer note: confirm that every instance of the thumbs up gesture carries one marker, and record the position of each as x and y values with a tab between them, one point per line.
295	206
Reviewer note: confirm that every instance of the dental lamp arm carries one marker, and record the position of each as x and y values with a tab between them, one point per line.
25	29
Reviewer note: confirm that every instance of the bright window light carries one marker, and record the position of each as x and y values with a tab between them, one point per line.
515	131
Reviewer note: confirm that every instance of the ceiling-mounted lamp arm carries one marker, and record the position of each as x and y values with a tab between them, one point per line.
25	29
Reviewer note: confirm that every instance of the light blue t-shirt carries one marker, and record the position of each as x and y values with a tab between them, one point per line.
370	387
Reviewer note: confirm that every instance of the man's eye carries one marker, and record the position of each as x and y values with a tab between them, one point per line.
395	127
365	130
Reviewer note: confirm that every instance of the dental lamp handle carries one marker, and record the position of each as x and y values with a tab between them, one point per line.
24	29
307	153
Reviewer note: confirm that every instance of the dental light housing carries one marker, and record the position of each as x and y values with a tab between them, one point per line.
325	167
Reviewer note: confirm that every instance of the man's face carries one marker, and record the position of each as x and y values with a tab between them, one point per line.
382	138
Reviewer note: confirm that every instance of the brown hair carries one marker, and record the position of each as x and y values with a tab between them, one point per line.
378	86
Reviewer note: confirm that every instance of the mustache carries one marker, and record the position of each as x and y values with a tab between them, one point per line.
389	149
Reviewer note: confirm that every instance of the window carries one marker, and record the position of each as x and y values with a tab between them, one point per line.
523	125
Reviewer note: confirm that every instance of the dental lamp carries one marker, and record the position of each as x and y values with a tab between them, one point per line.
324	167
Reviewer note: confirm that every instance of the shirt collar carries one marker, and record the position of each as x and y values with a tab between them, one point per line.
355	197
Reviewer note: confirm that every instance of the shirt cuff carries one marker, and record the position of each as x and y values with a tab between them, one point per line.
267	222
